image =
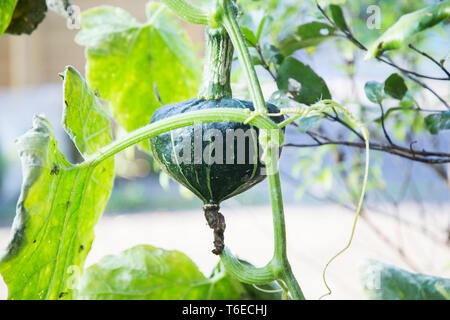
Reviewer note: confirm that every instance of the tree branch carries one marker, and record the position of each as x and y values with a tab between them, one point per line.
388	138
408	153
388	61
440	65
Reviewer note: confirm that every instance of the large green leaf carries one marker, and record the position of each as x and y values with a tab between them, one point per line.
408	25
313	88
60	203
146	273
125	58
28	14
306	35
386	282
6	13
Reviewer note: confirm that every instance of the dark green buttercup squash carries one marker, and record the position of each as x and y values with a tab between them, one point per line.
215	161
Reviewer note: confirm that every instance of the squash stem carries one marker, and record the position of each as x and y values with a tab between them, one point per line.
280	263
216	73
228	20
216	221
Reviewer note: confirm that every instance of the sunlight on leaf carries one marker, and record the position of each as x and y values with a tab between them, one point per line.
125	58
59	203
306	35
6	14
408	25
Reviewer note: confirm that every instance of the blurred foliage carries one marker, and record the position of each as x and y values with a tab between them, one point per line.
438	121
6	14
127	61
28	14
386	282
2	168
148	273
395	103
407	26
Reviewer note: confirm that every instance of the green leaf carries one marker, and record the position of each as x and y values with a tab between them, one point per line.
249	36
438	121
313	88
305	123
408	25
395	86
374	91
126	58
6	14
386	282
59	203
306	35
338	16
28	14
146	273
264	26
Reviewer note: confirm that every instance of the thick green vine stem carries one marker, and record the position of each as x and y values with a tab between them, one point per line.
226	16
171	123
216	73
278	268
245	273
279	265
188	12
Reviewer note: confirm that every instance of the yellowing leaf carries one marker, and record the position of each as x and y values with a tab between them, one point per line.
60	203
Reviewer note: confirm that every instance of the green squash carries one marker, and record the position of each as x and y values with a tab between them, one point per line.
215	161
217	181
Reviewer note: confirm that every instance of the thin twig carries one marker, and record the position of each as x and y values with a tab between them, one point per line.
266	65
388	61
429	89
352	38
345	124
388	138
440	65
391	63
408	153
